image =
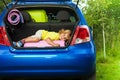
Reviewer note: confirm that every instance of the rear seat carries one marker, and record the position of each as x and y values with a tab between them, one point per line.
63	25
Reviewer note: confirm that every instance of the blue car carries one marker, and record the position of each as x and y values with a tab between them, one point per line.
22	18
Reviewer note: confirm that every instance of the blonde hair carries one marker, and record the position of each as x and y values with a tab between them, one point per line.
67	31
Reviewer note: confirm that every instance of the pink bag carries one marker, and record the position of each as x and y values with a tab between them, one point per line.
44	44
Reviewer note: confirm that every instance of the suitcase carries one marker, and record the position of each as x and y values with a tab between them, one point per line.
38	15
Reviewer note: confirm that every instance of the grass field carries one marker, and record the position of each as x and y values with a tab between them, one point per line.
108	71
109	68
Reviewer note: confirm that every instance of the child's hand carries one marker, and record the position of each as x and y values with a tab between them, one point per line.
57	45
49	41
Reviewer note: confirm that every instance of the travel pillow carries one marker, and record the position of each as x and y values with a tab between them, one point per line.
44	44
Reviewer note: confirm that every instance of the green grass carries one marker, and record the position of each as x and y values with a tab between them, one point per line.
108	71
109	68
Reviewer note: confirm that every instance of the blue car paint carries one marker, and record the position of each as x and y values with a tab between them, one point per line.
78	59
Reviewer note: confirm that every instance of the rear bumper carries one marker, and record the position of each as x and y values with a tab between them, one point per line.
79	60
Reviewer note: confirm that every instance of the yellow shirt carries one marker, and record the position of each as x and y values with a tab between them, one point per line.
51	35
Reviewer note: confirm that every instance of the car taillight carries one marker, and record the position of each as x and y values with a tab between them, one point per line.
81	35
3	37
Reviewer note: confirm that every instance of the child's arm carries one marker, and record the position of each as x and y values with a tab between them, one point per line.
49	41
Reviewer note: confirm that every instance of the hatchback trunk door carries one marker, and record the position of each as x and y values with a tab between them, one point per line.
42	0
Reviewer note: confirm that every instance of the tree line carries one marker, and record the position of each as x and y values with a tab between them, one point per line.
103	17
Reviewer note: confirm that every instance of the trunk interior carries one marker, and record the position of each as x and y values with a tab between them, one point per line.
48	19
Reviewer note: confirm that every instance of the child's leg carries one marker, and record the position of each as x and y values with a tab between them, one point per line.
33	38
30	39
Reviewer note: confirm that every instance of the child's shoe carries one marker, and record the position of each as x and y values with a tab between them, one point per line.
18	44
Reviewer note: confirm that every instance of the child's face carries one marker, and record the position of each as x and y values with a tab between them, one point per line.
64	36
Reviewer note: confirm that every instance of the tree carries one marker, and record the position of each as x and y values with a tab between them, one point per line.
2	6
102	16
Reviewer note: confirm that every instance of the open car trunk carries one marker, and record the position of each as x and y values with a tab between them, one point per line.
39	17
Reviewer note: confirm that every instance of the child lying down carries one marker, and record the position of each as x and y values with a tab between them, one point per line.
48	36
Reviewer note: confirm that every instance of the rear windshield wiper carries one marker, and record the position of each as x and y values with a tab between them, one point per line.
16	2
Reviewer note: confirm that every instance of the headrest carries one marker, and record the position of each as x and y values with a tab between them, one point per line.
26	16
63	15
